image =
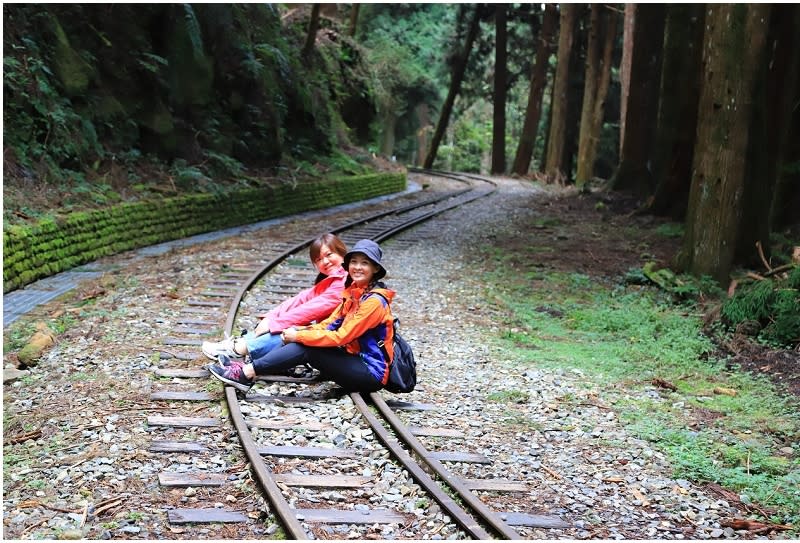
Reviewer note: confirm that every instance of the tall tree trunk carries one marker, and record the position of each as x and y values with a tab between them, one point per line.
423	133
641	108
611	34
587	134
783	95
774	82
500	78
387	134
557	141
546	129
602	35
313	26
677	112
577	62
353	24
625	67
733	48
787	192
533	111
451	143
455	87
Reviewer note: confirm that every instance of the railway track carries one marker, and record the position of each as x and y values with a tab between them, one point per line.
314	469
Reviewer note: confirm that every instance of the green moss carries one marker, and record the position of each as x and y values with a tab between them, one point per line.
108	107
158	119
73	72
55	245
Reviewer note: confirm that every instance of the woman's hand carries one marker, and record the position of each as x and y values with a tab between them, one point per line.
289	336
262	327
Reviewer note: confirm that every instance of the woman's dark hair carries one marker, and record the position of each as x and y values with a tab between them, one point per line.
333	242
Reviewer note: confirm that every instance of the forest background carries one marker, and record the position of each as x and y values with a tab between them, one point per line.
689	111
105	104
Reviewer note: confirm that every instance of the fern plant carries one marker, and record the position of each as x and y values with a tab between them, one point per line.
774	303
193	29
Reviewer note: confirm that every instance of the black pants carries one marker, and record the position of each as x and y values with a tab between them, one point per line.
346	370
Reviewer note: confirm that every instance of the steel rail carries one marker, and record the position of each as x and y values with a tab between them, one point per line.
463	491
263	474
458	176
420	476
256	275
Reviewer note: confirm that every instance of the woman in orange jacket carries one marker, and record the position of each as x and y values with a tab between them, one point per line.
352	347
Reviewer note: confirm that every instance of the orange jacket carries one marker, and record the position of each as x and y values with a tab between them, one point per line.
362	325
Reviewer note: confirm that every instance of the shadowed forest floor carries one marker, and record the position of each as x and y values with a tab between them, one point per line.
598	245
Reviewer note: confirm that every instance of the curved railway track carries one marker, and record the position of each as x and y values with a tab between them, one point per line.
304	467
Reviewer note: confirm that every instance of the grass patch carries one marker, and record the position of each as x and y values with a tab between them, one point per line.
717	425
18	334
508	396
671	230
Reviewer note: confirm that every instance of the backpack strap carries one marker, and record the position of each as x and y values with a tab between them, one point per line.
395	322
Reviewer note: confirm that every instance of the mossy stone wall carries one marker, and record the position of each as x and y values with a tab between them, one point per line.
35	251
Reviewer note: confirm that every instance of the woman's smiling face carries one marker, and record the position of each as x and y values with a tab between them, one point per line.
328	261
361	269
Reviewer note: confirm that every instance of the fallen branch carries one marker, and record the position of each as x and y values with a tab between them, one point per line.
142	408
597	405
733	497
76	460
779	269
110	503
85	514
551	472
35	434
34	526
754	525
639	496
661	383
761	254
37	503
725	391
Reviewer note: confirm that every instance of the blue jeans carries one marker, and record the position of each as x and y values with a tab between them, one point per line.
335	364
259	346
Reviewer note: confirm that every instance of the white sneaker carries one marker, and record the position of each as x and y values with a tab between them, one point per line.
213	349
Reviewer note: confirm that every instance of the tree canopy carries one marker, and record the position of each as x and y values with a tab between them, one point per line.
580	95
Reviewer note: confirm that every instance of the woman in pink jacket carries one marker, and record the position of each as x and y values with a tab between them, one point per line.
311	305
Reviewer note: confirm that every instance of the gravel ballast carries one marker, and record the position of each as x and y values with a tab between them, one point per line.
89	398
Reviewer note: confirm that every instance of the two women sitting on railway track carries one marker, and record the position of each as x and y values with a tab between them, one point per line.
352	347
310	305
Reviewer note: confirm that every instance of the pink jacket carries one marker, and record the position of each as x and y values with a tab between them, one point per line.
310	305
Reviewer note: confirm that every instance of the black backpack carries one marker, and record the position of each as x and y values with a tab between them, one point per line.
403	374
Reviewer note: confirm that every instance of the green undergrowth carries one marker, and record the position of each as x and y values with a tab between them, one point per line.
652	362
772	304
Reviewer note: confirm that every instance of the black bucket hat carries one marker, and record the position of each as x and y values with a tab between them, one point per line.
371	250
